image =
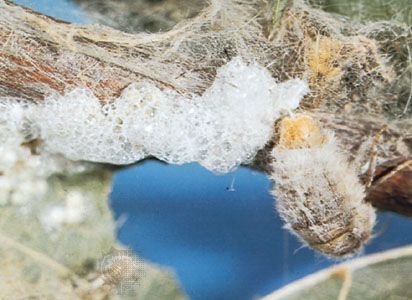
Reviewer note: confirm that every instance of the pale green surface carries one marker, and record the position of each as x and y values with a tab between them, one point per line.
373	10
44	264
381	276
39	259
385	280
328	289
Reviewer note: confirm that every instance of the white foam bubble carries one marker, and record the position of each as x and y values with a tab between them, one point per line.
220	129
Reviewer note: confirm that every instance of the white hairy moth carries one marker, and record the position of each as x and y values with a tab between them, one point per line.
318	193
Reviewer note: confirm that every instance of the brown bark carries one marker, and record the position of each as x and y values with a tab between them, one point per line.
392	187
40	55
392	181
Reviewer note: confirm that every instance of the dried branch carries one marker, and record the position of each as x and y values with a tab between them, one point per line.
40	56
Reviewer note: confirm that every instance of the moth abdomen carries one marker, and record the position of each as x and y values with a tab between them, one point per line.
318	194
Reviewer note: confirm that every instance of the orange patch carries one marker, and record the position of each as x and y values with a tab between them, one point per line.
300	132
324	58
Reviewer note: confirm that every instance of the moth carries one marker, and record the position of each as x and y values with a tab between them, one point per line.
318	192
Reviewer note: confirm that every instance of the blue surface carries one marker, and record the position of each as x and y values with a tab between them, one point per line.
222	244
59	9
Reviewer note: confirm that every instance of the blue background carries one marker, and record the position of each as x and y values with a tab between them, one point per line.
223	243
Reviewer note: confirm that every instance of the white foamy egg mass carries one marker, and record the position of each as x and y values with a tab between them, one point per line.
220	129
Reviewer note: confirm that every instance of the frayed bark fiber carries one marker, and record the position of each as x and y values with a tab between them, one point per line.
357	80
